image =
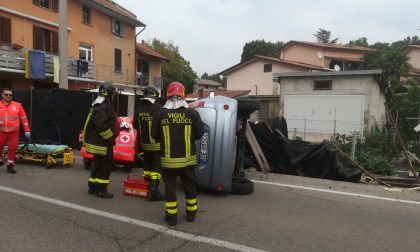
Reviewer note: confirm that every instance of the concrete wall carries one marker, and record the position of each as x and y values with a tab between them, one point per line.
341	85
253	74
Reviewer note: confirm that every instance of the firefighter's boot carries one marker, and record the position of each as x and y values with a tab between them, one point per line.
153	193
102	192
191	216
91	186
171	219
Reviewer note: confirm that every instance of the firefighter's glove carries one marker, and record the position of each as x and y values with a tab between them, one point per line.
28	134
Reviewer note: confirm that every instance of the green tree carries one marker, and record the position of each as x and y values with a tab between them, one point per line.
178	68
359	42
260	47
324	36
394	63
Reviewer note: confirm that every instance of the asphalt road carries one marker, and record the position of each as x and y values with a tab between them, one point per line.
50	210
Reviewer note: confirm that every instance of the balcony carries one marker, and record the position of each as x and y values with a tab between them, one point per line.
145	79
13	60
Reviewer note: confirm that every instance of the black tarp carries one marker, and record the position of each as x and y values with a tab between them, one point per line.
288	156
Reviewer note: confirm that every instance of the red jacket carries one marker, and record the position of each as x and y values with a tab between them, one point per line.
10	117
125	147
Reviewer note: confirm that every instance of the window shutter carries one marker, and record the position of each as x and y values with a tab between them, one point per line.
7	30
117	59
55	5
36	37
54	42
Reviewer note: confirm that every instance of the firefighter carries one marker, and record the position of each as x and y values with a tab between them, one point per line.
99	138
178	127
147	109
11	114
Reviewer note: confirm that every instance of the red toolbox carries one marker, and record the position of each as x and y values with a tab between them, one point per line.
135	185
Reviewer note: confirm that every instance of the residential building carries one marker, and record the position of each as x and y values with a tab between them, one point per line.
337	57
208	85
149	66
413	54
319	104
295	56
101	37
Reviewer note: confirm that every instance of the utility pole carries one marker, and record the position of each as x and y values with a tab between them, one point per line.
62	45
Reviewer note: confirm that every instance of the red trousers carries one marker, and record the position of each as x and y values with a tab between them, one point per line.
12	140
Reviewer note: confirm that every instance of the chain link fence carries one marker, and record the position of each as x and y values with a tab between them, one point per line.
318	130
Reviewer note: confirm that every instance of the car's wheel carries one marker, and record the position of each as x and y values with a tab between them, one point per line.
242	186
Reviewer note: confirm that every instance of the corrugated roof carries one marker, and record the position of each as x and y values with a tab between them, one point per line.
227	93
149	51
328	45
275	60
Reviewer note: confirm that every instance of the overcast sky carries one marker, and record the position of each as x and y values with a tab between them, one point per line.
211	33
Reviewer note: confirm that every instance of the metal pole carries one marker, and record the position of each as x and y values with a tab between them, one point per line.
335	122
304	129
62	45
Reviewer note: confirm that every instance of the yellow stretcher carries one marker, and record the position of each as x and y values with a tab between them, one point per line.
49	155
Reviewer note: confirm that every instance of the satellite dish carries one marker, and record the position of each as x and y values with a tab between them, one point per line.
337	67
320	55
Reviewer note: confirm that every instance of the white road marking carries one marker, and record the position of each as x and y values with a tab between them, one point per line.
339	192
159	228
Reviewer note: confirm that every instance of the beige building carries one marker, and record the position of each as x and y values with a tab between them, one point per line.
413	54
296	56
207	85
332	56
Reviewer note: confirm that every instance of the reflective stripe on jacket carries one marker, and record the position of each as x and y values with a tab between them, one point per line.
124	149
11	116
177	130
98	130
144	114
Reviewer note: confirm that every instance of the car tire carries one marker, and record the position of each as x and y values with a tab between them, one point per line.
242	186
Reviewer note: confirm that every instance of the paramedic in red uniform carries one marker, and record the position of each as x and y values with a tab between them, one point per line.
11	114
177	127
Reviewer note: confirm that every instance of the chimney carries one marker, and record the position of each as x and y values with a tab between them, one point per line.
142	41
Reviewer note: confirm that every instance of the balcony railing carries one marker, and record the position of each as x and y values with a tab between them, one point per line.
15	60
145	79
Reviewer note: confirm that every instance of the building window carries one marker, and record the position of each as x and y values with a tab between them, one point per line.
48	4
117	27
323	85
86	15
268	68
45	40
85	52
117	53
5	30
